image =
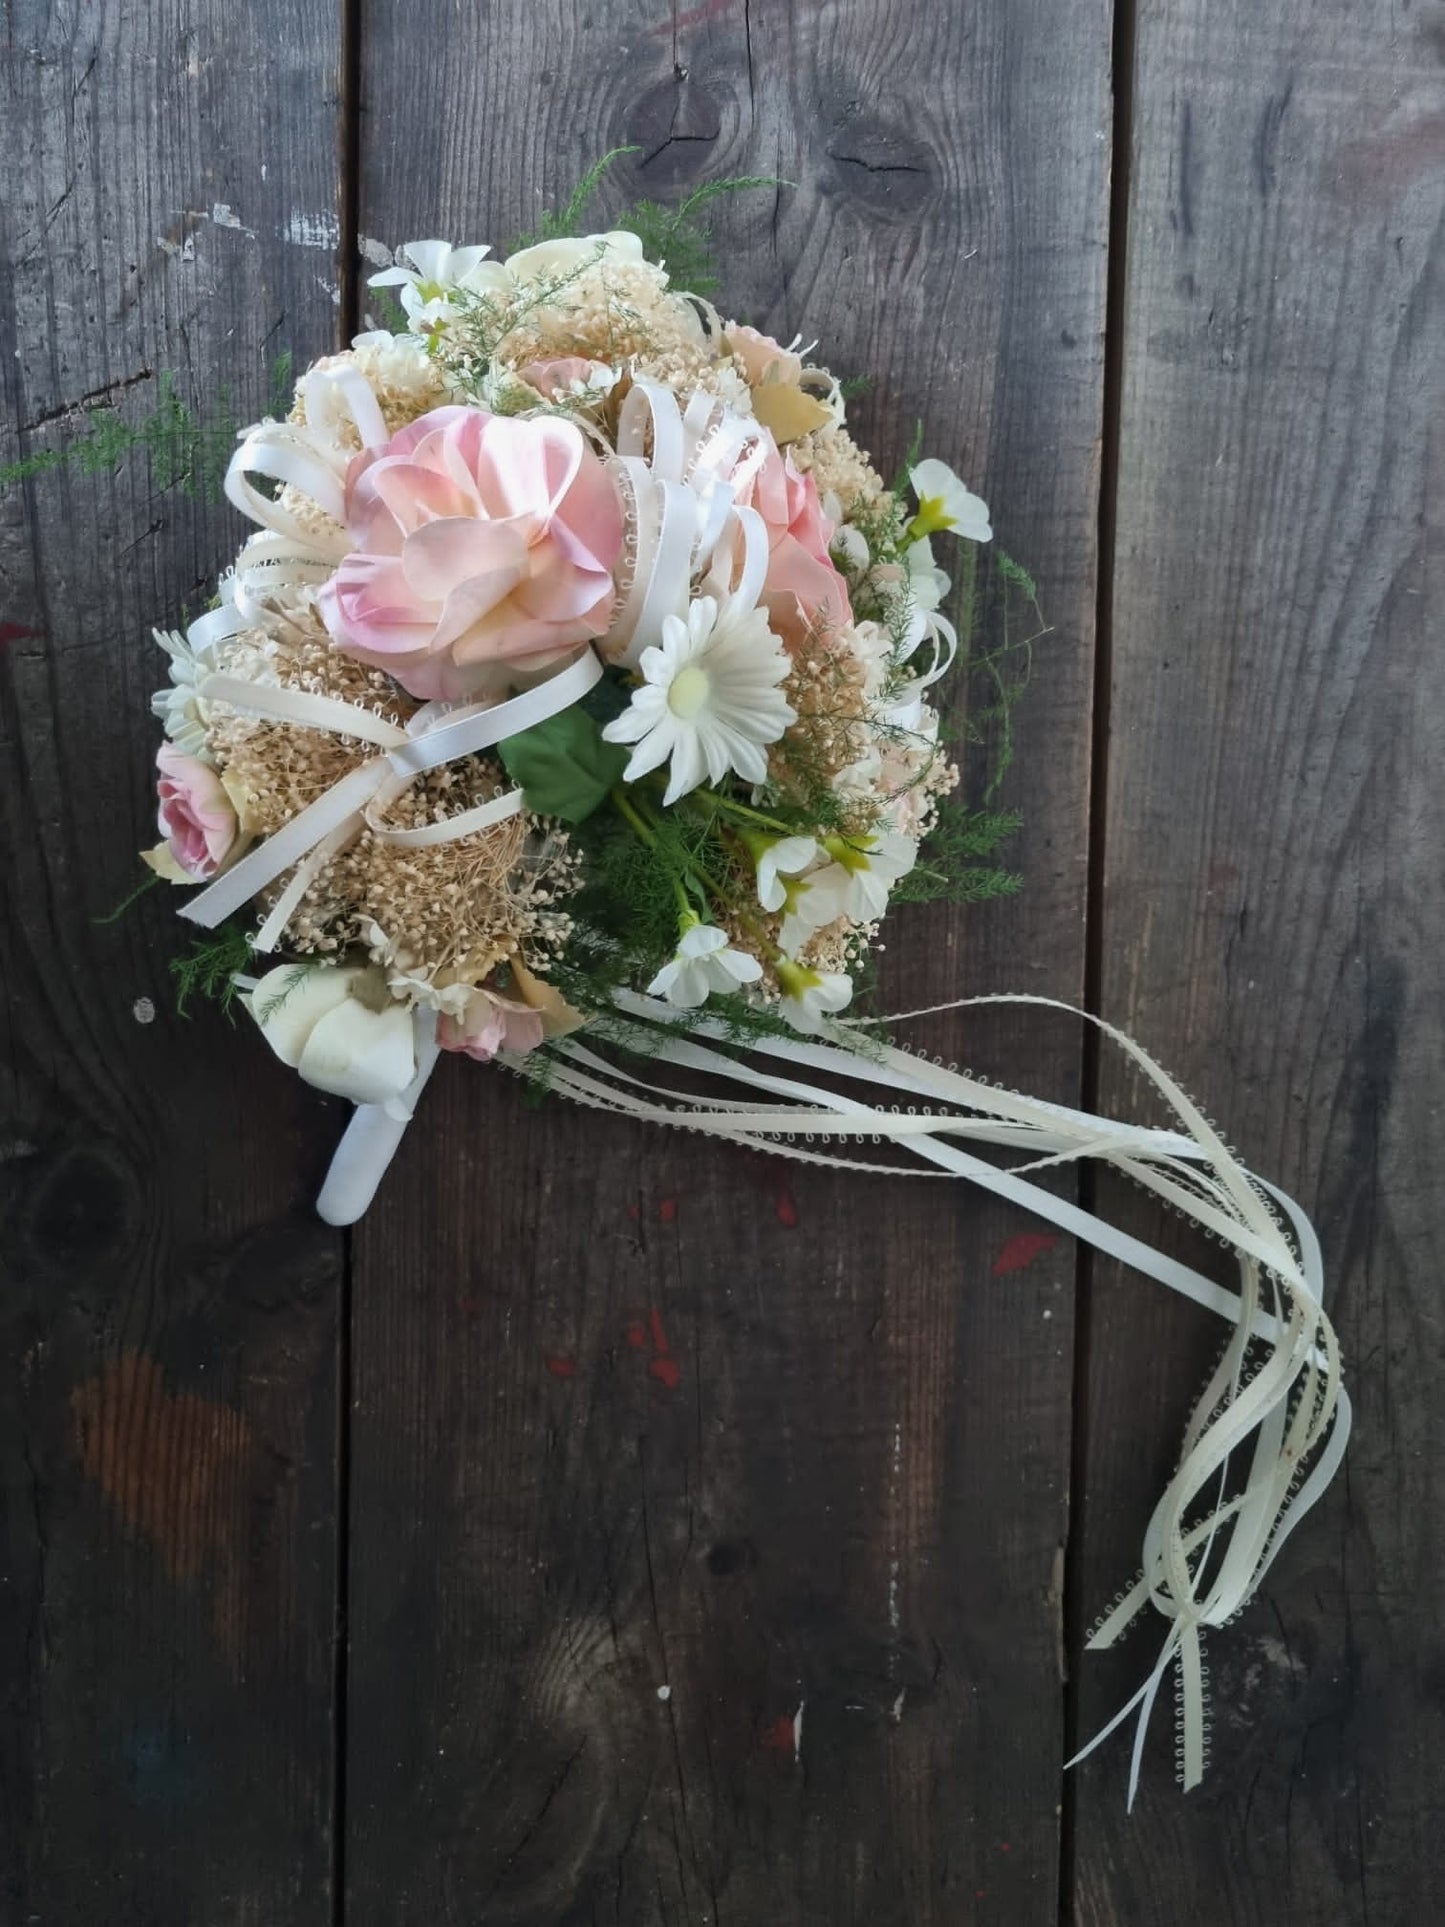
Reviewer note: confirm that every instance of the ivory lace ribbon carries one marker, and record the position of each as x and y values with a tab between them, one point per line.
1276	1394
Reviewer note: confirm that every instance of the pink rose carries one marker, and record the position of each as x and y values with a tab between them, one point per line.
801	581
197	818
479	540
491	1023
556	377
762	358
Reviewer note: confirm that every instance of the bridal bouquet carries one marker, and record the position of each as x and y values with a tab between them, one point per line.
572	707
580	647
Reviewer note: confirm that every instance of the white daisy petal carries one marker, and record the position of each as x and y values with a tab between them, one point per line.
710	698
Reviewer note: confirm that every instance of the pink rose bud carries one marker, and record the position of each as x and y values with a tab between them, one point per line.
763	358
801	578
480	540
559	376
490	1024
197	818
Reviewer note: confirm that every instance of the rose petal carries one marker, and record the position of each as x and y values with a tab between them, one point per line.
362	1054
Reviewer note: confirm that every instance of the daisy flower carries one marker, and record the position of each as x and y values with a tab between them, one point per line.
703	962
709	698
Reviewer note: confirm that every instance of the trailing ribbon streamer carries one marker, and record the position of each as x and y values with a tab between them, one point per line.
1293	1404
439	733
1199	1568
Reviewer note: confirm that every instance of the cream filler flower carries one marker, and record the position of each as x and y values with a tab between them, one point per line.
944	502
703	962
709	699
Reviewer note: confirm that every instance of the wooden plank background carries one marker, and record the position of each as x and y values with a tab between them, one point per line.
613	1529
170	1308
1273	906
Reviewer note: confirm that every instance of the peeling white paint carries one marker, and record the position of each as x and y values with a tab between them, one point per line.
664	1692
329	288
223	216
376	252
312	230
143	1010
798	1731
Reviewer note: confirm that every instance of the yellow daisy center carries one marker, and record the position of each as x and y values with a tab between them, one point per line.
688	693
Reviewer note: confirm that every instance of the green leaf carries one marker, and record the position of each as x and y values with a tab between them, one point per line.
563	766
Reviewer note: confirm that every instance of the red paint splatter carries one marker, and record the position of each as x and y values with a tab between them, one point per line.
562	1367
777	1735
785	1205
646	1334
632	1211
15	632
667	1210
1022	1250
1003	1846
694	17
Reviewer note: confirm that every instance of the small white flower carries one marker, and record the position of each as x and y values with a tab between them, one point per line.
944	502
810	996
436	269
779	857
709	698
180	708
597	386
850	547
856	879
704	961
927	582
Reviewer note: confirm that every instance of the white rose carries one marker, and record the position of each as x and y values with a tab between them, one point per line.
339	1028
550	260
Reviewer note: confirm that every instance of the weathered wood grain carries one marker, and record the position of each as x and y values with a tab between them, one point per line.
706	1513
169	1305
1272	913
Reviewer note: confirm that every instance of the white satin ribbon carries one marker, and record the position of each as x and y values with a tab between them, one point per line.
685	515
438	733
288	552
372	1137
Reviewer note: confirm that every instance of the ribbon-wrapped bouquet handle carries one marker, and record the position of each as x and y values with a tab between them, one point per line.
574	708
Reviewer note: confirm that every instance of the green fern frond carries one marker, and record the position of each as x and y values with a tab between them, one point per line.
211	966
